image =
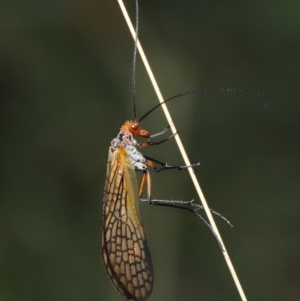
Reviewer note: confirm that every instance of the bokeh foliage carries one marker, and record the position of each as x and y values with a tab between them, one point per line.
65	88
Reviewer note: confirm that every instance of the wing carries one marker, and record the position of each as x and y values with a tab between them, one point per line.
124	247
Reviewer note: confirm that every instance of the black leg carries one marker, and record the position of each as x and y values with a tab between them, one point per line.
191	207
166	166
151	143
185	205
160	133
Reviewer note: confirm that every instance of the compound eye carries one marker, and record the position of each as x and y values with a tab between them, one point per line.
135	125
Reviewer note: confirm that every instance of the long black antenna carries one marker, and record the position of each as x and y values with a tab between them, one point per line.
213	90
134	56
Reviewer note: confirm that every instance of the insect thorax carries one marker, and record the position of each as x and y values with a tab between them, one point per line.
137	160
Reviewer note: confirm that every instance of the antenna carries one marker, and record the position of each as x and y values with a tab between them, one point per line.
134	56
206	90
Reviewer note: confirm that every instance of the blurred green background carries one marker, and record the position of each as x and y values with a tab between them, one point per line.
65	88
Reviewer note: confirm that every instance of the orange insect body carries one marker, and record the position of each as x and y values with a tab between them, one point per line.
124	247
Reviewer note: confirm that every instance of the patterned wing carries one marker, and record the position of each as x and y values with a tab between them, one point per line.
124	247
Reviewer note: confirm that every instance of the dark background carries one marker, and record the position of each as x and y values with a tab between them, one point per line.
65	88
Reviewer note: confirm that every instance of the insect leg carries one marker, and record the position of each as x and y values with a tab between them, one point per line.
166	166
160	133
151	143
186	205
145	178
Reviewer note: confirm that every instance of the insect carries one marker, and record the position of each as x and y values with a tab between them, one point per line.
124	247
125	252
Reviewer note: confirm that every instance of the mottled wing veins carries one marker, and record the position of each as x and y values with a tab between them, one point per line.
124	248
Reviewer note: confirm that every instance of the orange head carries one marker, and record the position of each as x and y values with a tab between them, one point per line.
133	126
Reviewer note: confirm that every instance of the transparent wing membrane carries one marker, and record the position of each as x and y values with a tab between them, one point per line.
124	247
